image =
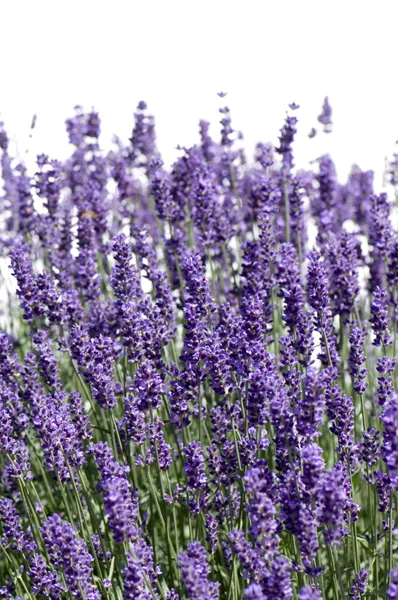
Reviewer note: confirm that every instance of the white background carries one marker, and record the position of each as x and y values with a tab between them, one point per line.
176	55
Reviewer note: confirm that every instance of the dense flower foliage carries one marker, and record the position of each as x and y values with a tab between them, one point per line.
198	384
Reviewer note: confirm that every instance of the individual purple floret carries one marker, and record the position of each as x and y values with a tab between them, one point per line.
69	554
326	116
358	588
195	573
380	318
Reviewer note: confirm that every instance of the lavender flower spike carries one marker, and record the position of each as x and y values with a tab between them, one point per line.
195	572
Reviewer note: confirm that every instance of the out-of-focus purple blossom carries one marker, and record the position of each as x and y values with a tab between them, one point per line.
389	449
392	591
208	146
82	125
143	138
195	573
324	203
226	128
326	116
358	588
310	593
379	318
69	554
286	139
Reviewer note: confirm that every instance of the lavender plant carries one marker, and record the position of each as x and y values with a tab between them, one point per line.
196	403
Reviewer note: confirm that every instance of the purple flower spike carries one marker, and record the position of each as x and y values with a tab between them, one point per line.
69	554
392	591
121	503
326	116
380	318
195	572
310	593
358	588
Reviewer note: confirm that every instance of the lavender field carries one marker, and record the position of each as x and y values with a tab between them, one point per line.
197	371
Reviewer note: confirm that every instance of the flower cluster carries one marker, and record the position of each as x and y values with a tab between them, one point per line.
198	383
